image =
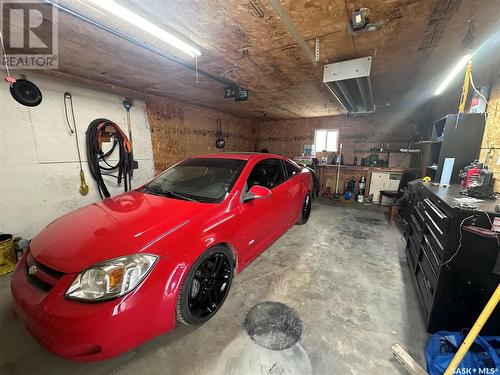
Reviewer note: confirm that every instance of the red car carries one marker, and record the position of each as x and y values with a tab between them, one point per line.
104	278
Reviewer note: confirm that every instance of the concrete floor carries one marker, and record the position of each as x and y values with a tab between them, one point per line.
345	275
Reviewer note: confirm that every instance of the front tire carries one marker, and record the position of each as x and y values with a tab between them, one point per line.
206	286
305	210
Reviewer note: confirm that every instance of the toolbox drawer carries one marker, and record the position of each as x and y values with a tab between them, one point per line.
419	213
436	216
432	224
413	253
434	254
436	242
428	268
423	288
416	230
411	257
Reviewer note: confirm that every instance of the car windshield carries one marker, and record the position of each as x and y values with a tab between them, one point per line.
198	179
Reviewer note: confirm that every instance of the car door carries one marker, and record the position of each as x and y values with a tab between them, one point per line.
293	187
262	218
281	197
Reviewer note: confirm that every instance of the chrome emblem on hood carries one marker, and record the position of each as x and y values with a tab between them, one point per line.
33	270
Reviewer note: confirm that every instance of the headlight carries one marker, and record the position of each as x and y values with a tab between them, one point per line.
112	278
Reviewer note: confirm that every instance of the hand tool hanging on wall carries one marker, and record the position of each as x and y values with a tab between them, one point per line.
220	142
22	90
68	100
127	105
103	130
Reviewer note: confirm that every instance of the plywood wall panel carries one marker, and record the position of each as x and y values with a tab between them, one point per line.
179	130
288	137
490	148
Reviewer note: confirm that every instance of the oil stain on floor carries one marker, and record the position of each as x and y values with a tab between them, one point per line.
273	325
269	346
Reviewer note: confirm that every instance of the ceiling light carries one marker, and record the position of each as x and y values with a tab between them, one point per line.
143	24
460	66
349	82
91	7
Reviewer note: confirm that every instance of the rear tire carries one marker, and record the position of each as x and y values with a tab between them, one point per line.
206	286
305	210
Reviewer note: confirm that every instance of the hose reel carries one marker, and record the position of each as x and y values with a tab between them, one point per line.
101	131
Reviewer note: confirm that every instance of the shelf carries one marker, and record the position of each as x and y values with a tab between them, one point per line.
428	142
378	152
384	141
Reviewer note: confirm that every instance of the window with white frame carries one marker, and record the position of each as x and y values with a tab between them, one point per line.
326	140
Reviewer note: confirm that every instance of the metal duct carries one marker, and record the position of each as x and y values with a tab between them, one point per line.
349	82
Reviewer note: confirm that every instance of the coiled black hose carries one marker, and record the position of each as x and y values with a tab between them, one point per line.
97	158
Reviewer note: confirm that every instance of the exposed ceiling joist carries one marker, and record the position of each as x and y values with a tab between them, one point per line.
292	29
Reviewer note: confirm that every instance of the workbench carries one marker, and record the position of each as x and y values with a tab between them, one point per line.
454	258
328	177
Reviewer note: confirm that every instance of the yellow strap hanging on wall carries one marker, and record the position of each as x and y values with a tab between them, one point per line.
465	89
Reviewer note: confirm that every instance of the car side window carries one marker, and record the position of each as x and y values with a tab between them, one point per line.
268	173
291	169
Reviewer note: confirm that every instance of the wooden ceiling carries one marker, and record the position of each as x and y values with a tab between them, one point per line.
418	43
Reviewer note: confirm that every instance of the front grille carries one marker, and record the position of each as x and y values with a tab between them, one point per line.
49	271
36	282
44	277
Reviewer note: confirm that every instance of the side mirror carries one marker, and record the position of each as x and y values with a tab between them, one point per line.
257	192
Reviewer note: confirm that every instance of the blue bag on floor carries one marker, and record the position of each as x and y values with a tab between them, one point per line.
482	358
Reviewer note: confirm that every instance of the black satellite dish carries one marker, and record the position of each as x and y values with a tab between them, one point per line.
26	92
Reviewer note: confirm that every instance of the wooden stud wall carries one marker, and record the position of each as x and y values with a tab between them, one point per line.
491	138
179	130
288	137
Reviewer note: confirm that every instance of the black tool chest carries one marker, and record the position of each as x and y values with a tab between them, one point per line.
453	292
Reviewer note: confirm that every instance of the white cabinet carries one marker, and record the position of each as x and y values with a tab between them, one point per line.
383	181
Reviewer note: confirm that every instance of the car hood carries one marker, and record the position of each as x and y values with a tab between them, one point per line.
125	224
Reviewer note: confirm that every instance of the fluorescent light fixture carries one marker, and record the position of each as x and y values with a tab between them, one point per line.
112	7
460	66
91	7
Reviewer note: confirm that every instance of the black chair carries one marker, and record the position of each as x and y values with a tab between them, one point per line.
396	195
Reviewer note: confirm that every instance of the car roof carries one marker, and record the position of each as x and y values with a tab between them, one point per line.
237	155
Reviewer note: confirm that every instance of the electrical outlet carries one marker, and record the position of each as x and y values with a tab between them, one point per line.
498	160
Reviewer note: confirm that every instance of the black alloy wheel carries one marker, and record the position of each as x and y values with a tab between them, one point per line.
305	211
206	286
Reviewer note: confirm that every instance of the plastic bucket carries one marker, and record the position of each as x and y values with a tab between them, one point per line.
7	254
